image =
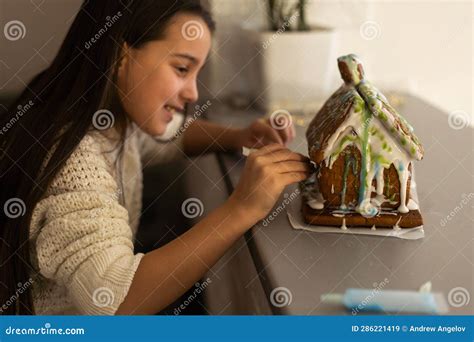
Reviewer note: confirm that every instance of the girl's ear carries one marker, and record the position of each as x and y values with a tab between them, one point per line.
124	57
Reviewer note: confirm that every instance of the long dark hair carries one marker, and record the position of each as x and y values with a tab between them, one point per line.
56	111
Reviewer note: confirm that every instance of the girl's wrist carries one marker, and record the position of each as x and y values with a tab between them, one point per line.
241	213
232	139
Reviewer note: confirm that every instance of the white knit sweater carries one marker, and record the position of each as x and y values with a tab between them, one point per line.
82	230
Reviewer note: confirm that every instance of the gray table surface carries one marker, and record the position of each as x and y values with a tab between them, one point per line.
310	264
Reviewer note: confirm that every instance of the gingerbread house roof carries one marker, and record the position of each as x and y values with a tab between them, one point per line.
357	91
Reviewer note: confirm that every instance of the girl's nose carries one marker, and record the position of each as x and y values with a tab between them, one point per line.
190	92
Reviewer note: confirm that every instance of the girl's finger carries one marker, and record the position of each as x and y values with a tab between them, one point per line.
293	177
285	154
268	149
290	132
293	166
272	135
284	134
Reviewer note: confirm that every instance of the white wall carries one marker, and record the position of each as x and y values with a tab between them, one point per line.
423	47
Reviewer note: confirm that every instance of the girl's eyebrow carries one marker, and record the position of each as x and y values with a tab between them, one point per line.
192	59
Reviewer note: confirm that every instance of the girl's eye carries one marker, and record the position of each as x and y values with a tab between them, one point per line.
182	70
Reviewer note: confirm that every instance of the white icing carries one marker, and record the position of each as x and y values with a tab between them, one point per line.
412	205
316	202
373	227
396	226
380	181
332	188
402	170
344	227
396	156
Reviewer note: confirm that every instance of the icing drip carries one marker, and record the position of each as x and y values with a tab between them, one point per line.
316	202
344	227
373	227
412	205
378	151
402	169
379	178
396	226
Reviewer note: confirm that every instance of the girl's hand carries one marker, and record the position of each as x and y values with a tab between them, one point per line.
267	131
266	173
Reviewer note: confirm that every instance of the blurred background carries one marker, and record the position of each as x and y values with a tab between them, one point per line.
418	47
262	60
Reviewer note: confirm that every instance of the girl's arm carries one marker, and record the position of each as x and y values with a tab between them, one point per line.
166	273
205	136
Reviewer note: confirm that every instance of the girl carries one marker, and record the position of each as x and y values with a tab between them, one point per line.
71	187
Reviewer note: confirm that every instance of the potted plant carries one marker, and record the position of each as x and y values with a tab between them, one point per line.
296	57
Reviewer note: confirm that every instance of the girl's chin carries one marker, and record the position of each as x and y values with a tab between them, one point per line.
157	128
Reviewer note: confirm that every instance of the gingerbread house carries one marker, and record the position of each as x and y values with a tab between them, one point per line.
364	152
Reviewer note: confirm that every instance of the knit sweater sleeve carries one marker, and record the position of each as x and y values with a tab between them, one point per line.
85	242
155	152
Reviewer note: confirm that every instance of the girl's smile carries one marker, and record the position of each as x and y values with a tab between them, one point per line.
170	111
159	78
